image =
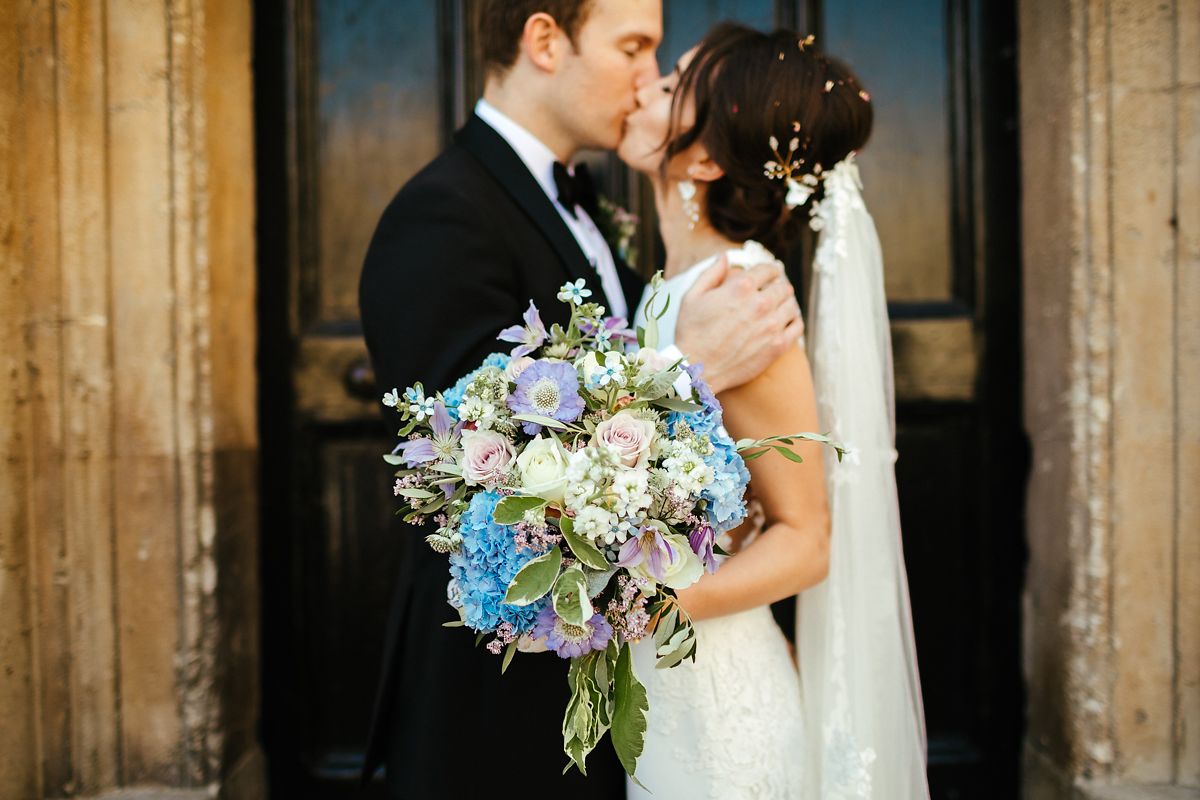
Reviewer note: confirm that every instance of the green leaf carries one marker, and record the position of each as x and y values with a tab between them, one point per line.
509	652
583	549
395	461
789	454
597	581
448	469
538	419
629	712
511	510
454	623
433	505
675	404
535	579
420	494
570	597
685	648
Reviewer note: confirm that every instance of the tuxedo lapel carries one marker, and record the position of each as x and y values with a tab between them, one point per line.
498	158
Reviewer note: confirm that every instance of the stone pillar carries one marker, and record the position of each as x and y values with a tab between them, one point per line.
1110	128
128	444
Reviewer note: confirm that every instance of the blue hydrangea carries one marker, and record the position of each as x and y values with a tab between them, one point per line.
726	495
484	566
454	395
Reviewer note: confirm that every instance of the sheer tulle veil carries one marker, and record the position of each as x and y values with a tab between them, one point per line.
854	639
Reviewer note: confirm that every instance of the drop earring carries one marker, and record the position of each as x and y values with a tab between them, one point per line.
691	209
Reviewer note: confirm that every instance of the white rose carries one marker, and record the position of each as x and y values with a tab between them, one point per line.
629	436
684	569
543	466
487	456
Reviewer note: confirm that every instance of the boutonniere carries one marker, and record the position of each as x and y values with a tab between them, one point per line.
619	228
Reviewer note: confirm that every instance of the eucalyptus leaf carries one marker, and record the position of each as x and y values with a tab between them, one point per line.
420	494
534	579
509	652
629	712
454	623
538	419
394	460
511	510
583	549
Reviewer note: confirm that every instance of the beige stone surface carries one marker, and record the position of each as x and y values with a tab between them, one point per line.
1110	290
1187	298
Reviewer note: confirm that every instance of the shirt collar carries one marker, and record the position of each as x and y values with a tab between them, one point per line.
537	157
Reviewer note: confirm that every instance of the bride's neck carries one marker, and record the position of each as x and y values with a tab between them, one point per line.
684	246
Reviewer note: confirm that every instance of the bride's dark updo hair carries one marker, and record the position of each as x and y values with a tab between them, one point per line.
749	86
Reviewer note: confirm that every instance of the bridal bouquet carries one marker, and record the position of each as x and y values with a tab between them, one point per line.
577	483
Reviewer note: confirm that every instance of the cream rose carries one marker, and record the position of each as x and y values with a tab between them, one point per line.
629	436
543	466
487	456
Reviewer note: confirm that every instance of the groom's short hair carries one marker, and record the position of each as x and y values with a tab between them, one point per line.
501	23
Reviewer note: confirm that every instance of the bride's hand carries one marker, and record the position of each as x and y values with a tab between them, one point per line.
736	322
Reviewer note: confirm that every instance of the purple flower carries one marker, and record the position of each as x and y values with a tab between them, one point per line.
700	387
442	444
548	389
528	337
649	546
702	539
570	640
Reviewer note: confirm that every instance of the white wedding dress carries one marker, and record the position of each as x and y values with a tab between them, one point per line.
727	726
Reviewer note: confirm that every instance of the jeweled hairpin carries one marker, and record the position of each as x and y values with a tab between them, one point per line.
785	167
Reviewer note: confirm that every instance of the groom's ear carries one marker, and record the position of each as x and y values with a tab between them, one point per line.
542	41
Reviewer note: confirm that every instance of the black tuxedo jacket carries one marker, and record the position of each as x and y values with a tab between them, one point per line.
457	256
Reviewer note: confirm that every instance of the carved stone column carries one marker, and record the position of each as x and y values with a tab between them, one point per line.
1110	107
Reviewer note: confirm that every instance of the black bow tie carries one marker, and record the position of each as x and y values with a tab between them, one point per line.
575	190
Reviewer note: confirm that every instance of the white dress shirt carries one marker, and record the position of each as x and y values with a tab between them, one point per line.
539	160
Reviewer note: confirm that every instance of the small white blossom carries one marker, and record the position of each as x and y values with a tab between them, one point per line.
391	399
422	408
596	523
574	292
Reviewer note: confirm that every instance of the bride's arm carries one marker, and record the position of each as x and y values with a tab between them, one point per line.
792	552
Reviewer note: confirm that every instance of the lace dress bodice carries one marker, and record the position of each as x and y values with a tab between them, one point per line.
727	726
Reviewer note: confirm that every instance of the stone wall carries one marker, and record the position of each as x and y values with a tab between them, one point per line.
1110	127
128	452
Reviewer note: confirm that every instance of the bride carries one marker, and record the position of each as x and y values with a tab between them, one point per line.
749	138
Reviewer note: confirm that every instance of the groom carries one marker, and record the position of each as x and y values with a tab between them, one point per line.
495	221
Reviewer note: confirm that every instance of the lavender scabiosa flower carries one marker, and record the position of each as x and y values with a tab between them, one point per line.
529	337
570	641
548	389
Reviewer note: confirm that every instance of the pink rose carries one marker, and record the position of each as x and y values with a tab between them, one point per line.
628	435
487	456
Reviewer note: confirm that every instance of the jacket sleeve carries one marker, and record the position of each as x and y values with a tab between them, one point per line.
439	282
